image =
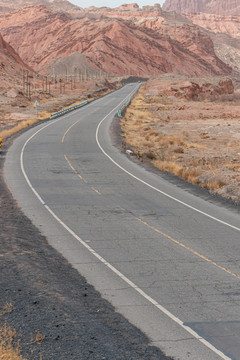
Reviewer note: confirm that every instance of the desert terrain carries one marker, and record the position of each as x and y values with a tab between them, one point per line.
18	111
190	128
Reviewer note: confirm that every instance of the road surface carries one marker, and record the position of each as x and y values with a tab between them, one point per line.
165	258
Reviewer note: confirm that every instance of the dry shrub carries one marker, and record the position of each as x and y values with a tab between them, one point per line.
7	309
39	337
178	150
198	146
146	144
150	155
169	140
213	185
153	133
146	128
190	175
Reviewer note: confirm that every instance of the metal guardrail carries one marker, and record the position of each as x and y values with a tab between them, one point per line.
122	107
65	111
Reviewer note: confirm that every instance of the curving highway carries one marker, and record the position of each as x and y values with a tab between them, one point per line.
167	260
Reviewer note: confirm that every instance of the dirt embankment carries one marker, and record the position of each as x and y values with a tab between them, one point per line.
190	128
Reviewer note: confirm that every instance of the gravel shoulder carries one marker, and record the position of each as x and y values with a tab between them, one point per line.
55	313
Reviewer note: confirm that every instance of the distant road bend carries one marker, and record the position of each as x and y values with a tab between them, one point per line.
166	259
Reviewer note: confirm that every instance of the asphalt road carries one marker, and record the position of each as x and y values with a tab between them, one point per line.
165	258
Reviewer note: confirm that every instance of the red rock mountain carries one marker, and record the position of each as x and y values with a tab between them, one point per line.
7	6
219	7
124	41
217	23
11	66
10	60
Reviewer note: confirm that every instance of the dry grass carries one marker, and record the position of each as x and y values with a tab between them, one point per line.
190	175
141	131
213	185
184	137
39	337
9	348
7	309
22	125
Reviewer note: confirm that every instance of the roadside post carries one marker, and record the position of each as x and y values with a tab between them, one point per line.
36	105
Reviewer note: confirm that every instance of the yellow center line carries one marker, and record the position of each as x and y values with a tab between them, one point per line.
73	169
167	236
80	177
94	189
188	248
63	138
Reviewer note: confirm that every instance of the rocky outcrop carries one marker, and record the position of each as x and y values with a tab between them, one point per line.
219	7
193	90
225	33
217	23
123	41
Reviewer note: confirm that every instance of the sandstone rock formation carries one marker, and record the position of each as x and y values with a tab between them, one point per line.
225	33
219	7
124	41
11	77
217	23
10	62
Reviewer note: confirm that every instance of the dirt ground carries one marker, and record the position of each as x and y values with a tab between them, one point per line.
17	110
191	128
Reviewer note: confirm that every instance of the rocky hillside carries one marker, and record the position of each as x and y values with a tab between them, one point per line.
11	65
225	33
219	7
7	6
229	25
10	54
12	69
124	41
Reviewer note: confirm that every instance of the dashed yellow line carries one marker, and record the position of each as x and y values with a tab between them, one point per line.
188	248
80	177
63	138
73	169
163	234
94	189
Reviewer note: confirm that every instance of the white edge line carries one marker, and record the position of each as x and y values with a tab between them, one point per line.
101	259
156	189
